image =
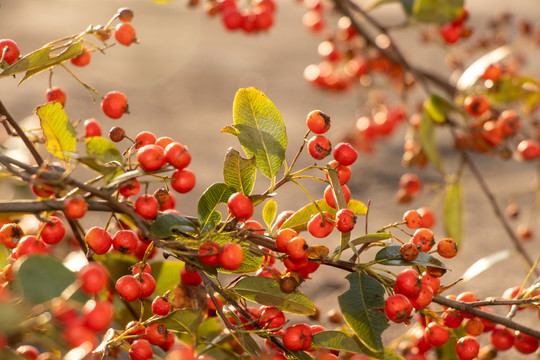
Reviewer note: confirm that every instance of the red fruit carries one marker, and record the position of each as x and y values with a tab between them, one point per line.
75	207
125	241
283	237
411	183
209	253
125	34
83	59
183	180
145	138
297	337
318	122
142	249
164	141
263	20
467	348
78	334
476	105
92	128
9	51
10	235
161	306
141	350
297	250
408	283
271	317
240	206
53	230
329	196
427	217
146	206
343	172
151	157
430	280
345	220
528	149
169	204
452	319
436	334
231	256
423	298
93	278
191	278
254	226
412	219
129	288
148	284
451	33
125	14
424	238
345	154
524	343
177	155
156	333
502	338
319	147
321	227
398	308
98	315
56	94
145	268
30	245
508	122
27	352
492	72
114	104
130	187
232	19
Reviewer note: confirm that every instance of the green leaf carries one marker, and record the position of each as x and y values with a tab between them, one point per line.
59	132
103	150
437	11
341	341
207	215
453	205
361	308
261	130
167	275
167	225
109	170
266	291
40	60
368	238
407	6
239	173
249	344
390	256
428	141
438	108
183	320
269	212
42	278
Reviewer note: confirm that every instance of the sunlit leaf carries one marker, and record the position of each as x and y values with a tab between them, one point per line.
471	75
390	256
207	215
453	216
429	142
239	173
58	131
341	341
167	275
260	129
269	212
167	225
266	291
109	170
182	320
485	263
361	305
437	11
103	150
438	108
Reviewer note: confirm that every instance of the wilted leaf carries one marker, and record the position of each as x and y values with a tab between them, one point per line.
239	173
167	225
361	308
260	129
266	291
317	252
269	212
453	222
390	256
206	210
485	263
58	131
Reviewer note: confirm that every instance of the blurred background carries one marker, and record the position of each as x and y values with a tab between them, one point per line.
181	80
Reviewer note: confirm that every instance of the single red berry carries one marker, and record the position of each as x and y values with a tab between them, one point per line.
466	296
98	315
502	338
427	217
125	241
10	235
53	230
408	283
156	333
209	253
321	227
232	19
423	298
144	138
509	123
141	350
27	352
9	51
125	14
432	281
398	308
146	206
151	157
318	122
75	207
412	219
270	317
177	155
164	141
191	278
467	348
297	250
282	217
114	104
93	278
447	248
83	59
411	183
345	154
240	206
129	288
183	180
56	94
492	72
524	343
130	187
451	33
452	319
436	334
145	268
329	196
319	147
148	284
476	105
117	134
423	238
345	220
161	306
528	149
29	245
343	172
297	337
231	256
92	128
125	34
98	239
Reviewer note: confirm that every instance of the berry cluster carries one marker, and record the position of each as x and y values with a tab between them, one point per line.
257	17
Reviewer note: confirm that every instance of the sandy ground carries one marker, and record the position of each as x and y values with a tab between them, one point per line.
181	80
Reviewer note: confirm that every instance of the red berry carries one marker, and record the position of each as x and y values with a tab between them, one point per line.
452	319
411	183
183	180
524	343
528	149
141	350
27	352
151	157
92	128
125	34
283	237
423	238
408	283
231	256
345	220
476	105
492	72
30	245
98	315
53	230
114	104
129	288
93	278
412	219
56	94
146	206
318	122
343	172
398	308
177	155
240	206
75	207
148	284
345	154
297	250
83	59
164	141
467	348
209	253
319	147
508	122
125	14
430	280
423	298
502	338
145	268
98	239
191	278
436	334
156	333
329	196
145	138
321	227
232	19
451	33
271	317
9	51
161	306
10	235
125	241
130	187
427	217
297	337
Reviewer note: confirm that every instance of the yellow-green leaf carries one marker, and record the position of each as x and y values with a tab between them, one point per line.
59	132
429	142
453	217
239	173
269	212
